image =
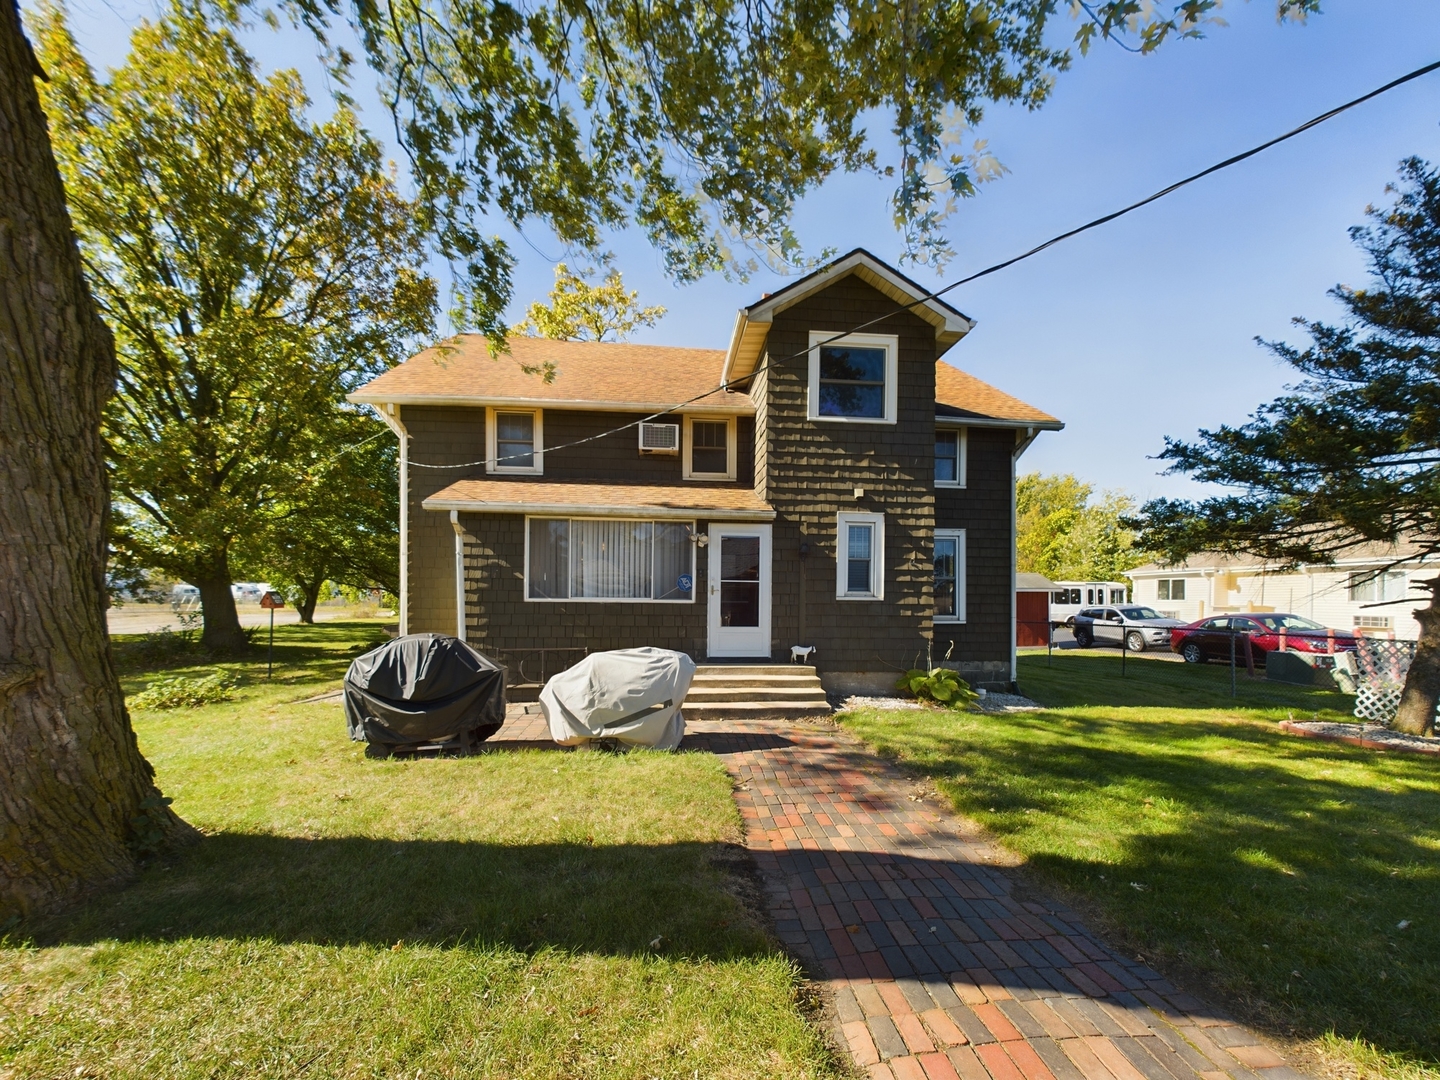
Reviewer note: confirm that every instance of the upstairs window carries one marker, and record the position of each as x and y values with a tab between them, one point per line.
852	379
709	448
514	443
950	447
860	557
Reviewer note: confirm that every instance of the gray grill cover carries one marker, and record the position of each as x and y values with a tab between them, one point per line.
423	688
630	695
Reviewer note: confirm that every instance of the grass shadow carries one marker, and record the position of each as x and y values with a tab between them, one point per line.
678	899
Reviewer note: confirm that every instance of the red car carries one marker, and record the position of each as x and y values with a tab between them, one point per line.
1209	639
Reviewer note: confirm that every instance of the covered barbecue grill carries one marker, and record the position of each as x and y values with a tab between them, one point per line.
424	690
632	696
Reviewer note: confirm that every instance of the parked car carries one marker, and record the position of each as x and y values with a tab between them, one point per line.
1260	632
1136	627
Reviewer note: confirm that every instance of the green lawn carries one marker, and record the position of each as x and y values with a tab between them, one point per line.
1267	870
532	914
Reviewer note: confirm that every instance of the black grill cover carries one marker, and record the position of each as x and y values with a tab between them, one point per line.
423	688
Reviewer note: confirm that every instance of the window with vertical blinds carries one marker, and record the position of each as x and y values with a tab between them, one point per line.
601	559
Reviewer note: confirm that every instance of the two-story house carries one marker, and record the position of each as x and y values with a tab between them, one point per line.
853	493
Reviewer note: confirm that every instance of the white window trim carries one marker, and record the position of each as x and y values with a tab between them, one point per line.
877	555
958	535
889	342
687	443
963	455
525	580
491	439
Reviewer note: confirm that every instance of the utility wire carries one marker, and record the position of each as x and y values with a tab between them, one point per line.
993	269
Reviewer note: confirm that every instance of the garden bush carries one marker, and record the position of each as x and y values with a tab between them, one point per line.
181	692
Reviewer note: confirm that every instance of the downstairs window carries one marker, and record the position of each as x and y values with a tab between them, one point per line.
596	559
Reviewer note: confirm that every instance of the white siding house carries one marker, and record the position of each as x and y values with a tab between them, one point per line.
1347	595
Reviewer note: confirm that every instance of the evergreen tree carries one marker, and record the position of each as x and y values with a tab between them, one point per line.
1350	454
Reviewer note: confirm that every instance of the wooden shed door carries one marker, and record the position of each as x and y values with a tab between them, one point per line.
739	605
1032	618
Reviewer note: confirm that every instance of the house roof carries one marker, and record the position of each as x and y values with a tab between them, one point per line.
588	374
961	396
1033	583
602	500
752	325
619	376
1360	555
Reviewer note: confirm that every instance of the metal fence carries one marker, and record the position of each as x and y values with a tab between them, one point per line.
1369	669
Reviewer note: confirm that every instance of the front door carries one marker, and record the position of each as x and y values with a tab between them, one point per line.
739	609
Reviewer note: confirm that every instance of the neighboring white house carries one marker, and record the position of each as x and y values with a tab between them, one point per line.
1344	595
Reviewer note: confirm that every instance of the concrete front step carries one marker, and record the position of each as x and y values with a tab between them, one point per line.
743	670
756	692
772	682
798	695
752	710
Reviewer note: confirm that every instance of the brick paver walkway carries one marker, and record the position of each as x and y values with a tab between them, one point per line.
937	971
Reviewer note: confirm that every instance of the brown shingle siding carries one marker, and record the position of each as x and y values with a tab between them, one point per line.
813	468
982	509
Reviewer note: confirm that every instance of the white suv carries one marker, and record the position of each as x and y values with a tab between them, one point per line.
1137	628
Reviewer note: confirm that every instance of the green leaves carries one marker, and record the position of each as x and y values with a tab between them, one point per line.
255	266
579	311
940	685
1063	534
184	692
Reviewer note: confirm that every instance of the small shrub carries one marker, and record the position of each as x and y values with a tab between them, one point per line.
182	692
940	685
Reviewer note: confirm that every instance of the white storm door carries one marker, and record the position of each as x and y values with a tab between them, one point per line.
739	583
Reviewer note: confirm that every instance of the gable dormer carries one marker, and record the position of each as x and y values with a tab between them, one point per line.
753	324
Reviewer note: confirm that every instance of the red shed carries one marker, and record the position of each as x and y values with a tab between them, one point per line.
1032	609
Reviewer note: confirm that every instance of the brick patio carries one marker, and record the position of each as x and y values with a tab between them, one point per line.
936	970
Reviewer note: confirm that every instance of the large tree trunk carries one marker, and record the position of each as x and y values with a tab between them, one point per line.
72	779
221	631
1416	714
309	597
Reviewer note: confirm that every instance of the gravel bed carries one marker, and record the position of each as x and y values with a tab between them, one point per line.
1374	736
990	703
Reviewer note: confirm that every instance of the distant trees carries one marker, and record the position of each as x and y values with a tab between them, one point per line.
1351	453
579	311
342	526
254	266
1063	534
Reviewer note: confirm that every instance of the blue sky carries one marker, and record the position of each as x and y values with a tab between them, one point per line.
1145	327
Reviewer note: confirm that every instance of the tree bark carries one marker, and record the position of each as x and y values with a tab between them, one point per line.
72	779
309	597
1416	714
220	631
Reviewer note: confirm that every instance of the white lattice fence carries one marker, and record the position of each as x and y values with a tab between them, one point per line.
1382	666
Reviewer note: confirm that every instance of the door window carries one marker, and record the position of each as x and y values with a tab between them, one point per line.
739	581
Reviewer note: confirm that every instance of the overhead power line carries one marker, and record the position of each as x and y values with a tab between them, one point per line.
992	269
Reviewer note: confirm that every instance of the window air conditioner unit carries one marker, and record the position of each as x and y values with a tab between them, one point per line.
659	438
